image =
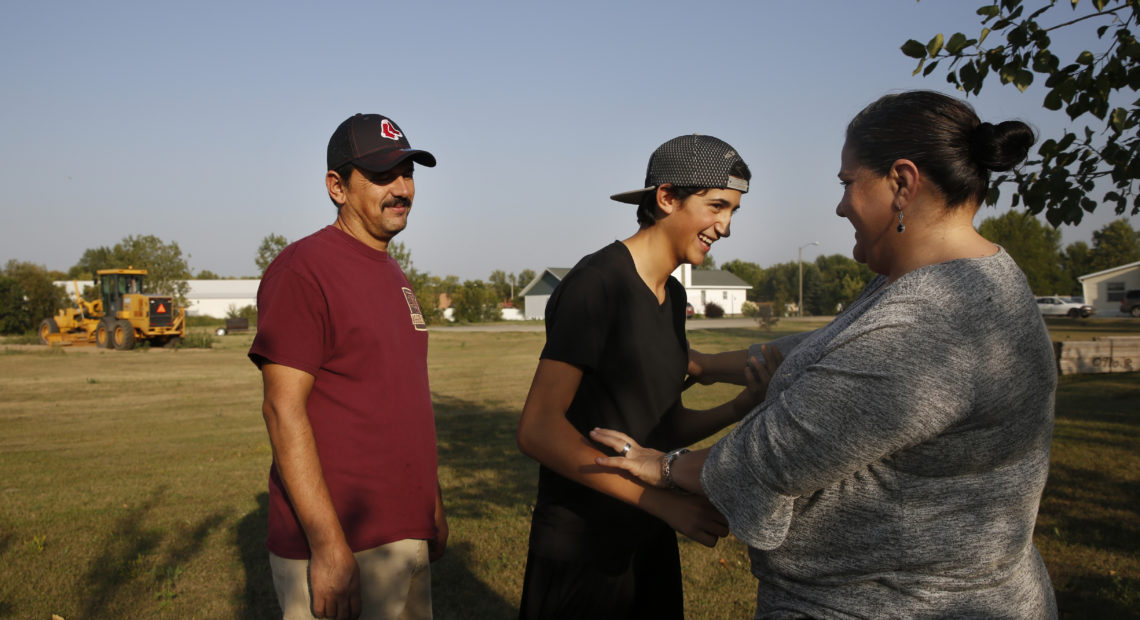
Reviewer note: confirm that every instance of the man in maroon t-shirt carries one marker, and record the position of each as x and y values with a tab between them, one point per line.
355	511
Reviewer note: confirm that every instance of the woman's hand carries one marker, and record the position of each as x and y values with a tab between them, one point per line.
643	463
758	374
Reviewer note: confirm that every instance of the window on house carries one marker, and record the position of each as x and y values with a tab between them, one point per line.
724	294
1115	291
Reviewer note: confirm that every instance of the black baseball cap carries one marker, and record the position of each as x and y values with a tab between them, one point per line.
372	142
690	161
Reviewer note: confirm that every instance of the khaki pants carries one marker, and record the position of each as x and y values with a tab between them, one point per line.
395	583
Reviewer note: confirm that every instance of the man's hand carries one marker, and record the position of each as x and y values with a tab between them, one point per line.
696	369
758	374
691	515
438	545
334	582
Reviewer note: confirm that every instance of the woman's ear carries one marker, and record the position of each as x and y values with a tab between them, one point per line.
905	178
666	198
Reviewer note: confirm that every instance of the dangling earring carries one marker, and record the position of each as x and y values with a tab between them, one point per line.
900	228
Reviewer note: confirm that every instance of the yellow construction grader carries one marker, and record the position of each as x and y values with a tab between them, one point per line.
121	317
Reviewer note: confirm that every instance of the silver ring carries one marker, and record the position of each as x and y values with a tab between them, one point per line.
625	450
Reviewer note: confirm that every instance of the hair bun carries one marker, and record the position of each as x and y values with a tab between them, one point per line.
1001	147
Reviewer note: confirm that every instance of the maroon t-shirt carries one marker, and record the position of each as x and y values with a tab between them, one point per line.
343	312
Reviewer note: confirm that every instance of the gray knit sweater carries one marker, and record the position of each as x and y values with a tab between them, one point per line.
896	466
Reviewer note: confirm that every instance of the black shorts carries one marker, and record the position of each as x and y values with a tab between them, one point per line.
574	570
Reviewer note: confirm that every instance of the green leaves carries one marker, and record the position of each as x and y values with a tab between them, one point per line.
1087	85
914	49
935	45
956	43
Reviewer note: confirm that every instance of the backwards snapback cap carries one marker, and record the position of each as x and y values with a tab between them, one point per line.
374	143
690	161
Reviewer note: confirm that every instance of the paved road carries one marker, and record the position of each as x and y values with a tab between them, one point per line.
508	326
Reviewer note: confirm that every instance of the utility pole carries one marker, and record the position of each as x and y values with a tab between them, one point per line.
800	260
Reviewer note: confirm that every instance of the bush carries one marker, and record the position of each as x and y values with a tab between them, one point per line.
749	309
244	312
713	311
766	316
204	321
197	340
475	302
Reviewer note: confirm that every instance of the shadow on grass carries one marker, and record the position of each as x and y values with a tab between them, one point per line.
479	444
259	601
1099	596
457	592
129	556
1077	498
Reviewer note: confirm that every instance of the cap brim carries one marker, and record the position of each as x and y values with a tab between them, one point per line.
633	196
384	161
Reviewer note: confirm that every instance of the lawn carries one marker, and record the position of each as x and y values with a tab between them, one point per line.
134	484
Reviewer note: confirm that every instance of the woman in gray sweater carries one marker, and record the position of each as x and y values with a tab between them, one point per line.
896	465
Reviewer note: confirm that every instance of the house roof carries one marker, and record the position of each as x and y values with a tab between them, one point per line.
702	278
717	278
557	272
1108	271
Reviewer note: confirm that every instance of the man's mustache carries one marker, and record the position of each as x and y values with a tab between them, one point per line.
399	201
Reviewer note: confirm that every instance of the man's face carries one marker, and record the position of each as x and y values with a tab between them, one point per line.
380	201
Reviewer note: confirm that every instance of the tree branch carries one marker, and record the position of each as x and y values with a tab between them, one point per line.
1090	16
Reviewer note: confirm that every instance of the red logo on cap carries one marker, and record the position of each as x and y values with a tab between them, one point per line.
389	131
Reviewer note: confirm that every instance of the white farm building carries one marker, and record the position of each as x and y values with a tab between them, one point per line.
206	297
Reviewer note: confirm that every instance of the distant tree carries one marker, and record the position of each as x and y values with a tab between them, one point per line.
29	296
709	264
206	274
401	254
525	277
428	290
167	270
14	315
842	278
248	312
508	285
1035	247
476	302
1100	83
270	247
749	272
502	284
1114	245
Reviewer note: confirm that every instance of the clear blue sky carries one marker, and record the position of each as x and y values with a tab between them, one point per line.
206	123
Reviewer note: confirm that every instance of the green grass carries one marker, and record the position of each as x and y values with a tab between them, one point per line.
134	485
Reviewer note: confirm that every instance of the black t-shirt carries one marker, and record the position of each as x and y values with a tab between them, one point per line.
633	353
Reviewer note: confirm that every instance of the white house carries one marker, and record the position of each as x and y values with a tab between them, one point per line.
702	287
205	297
1104	289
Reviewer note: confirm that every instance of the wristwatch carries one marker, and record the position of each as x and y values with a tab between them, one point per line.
667	468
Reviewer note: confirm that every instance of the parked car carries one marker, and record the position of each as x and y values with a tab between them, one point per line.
1059	306
1130	303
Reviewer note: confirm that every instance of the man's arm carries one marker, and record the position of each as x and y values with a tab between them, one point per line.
688	426
546	436
333	575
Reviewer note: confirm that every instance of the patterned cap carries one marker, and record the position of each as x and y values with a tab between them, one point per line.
690	161
372	142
